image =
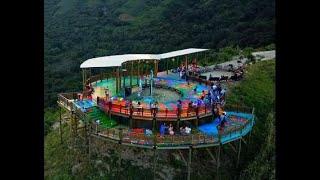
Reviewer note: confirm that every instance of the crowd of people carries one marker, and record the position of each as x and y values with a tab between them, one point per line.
215	95
183	69
164	129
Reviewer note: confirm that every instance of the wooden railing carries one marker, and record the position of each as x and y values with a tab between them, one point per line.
238	108
173	141
66	99
163	114
166	141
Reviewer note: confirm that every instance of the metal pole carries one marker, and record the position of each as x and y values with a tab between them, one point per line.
239	150
124	79
119	79
131	74
116	76
83	80
167	66
189	162
138	75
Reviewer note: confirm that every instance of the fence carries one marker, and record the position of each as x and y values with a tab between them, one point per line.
163	114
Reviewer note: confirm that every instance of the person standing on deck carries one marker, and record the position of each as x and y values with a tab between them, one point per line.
107	93
171	132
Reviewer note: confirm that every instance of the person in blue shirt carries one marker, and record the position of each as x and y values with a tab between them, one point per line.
162	129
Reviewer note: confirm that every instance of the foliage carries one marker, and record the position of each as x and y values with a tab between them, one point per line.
77	30
263	165
50	117
258	90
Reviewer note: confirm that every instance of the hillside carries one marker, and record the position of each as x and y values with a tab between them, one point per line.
77	30
257	159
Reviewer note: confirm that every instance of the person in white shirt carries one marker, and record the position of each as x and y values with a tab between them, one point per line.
188	130
171	132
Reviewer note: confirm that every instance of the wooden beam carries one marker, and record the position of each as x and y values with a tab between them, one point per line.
184	160
211	155
244	141
232	147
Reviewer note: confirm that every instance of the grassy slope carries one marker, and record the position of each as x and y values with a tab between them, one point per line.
258	90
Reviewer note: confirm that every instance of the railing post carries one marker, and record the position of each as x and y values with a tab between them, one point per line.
191	139
120	136
154	139
166	113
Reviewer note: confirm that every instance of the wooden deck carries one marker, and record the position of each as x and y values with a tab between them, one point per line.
129	138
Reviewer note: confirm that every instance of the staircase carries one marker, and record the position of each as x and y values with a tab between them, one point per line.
96	114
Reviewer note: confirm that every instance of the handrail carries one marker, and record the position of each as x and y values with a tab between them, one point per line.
156	140
140	139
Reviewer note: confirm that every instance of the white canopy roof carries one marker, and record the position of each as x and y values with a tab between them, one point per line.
117	60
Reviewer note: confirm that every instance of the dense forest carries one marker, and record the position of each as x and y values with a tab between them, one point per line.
76	30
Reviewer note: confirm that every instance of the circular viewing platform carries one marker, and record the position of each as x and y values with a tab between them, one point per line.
206	134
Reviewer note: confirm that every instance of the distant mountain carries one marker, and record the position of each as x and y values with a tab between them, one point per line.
76	30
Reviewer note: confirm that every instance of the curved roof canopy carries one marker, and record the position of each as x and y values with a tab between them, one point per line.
117	60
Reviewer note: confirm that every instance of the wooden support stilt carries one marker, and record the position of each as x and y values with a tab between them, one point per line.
154	162
239	150
60	126
218	161
89	147
189	163
119	163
